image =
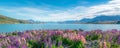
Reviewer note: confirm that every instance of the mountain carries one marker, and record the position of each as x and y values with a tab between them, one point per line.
99	20
102	19
8	20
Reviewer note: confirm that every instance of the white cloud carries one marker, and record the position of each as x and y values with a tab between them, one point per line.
45	15
110	8
115	2
75	13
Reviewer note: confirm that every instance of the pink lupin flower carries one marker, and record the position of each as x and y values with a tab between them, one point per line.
74	36
83	39
105	46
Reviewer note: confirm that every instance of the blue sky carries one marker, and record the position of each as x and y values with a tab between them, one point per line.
58	10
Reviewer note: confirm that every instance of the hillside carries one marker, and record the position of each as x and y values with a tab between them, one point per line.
8	20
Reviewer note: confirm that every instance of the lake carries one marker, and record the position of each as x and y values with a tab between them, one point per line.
50	26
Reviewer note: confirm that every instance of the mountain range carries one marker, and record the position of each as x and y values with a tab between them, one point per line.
98	20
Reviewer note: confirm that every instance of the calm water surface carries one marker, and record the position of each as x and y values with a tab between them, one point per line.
22	27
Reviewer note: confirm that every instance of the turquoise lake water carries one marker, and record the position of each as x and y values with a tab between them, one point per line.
23	27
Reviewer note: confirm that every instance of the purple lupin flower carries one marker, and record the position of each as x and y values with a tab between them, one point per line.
17	43
24	46
54	42
1	36
59	43
11	46
50	45
118	40
45	40
111	38
20	33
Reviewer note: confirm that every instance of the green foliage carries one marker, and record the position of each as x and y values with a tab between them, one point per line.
3	46
95	44
115	46
93	37
114	39
13	34
34	44
67	42
53	46
56	38
61	46
77	44
108	44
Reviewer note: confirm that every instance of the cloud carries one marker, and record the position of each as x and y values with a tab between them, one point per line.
75	13
110	8
45	15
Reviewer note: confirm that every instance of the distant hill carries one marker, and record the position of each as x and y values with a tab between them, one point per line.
99	20
8	20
